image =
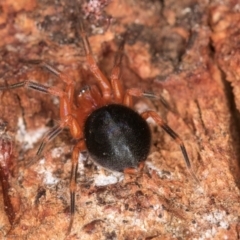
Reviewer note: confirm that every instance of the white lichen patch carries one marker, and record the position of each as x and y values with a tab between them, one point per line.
215	220
217	217
101	179
46	171
141	106
57	152
28	138
160	172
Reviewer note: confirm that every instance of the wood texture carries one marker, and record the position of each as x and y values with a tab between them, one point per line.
188	51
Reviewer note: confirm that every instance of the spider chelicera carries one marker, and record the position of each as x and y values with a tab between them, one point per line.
101	118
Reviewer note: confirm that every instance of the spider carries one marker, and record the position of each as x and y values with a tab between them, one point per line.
103	121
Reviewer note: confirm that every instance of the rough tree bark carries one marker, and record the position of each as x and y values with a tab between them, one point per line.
187	51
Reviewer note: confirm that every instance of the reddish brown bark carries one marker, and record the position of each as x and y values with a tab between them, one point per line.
185	50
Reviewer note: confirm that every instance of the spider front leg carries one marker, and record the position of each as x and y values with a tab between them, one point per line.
65	97
115	75
61	75
65	78
175	137
101	79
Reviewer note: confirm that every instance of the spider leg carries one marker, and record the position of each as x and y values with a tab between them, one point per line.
51	134
67	116
115	75
133	92
103	82
134	171
64	77
35	86
137	92
65	96
53	70
175	137
69	121
66	100
78	148
66	110
128	99
65	104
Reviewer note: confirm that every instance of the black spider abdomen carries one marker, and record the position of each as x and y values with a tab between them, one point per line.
117	137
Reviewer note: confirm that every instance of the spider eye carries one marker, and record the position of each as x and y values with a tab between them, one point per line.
84	90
